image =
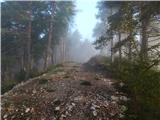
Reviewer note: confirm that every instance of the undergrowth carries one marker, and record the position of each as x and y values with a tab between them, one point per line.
142	84
20	77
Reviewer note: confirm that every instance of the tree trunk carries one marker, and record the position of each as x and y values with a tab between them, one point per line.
119	49
28	66
22	63
50	37
52	56
48	45
112	57
62	51
144	37
144	41
130	46
55	54
52	60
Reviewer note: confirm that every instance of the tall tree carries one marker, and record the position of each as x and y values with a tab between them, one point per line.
29	40
50	35
30	33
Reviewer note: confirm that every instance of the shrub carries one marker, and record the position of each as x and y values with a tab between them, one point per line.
143	86
7	85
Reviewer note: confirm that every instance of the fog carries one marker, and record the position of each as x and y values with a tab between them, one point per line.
81	39
80	50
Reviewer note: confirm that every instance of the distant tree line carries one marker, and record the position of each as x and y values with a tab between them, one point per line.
80	50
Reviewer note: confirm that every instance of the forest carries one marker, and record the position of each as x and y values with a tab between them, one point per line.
50	72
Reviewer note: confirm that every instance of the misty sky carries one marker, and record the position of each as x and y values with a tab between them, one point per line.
85	19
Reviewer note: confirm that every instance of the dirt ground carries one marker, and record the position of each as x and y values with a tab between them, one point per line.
71	91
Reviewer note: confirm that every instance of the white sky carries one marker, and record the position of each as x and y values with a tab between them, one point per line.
85	19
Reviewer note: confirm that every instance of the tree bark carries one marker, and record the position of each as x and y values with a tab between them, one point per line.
130	46
50	37
119	49
28	66
144	41
144	37
61	51
112	57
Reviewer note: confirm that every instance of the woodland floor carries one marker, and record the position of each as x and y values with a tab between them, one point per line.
71	91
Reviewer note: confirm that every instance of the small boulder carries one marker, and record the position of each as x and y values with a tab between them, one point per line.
27	110
95	113
57	108
5	116
114	98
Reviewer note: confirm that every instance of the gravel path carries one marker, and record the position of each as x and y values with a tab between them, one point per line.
69	92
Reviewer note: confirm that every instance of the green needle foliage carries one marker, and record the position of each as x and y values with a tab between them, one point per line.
30	32
133	28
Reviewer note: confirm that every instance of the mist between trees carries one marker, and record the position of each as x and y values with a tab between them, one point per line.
36	35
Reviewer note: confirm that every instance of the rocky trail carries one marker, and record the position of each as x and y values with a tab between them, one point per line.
70	91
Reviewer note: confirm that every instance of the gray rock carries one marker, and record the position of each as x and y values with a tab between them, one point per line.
27	110
5	116
57	108
114	98
95	113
